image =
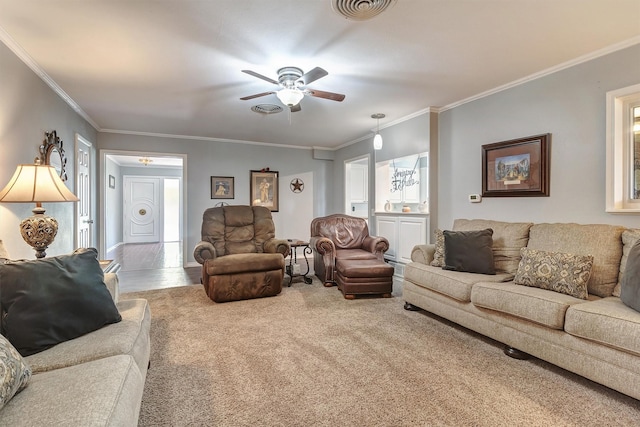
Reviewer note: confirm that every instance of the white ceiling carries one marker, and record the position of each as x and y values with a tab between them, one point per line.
174	66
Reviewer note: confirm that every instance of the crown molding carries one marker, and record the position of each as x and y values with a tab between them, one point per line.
202	138
33	65
563	66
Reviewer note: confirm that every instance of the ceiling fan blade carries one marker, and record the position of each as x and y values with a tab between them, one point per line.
296	108
312	75
326	95
260	76
257	95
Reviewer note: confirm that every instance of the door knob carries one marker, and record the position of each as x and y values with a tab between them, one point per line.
88	221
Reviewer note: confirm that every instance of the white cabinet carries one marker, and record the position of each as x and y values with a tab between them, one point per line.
403	232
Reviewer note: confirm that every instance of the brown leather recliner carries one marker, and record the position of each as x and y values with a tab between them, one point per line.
240	256
344	237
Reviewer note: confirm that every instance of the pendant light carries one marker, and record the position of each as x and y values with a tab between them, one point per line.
377	139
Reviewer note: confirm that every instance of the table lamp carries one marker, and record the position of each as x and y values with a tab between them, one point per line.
37	184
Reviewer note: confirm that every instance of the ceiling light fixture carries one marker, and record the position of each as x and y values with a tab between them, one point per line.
145	161
360	10
290	96
377	139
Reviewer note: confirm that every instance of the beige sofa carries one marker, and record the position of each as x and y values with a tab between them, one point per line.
598	338
94	380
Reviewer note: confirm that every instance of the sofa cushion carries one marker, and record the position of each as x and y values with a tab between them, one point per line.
454	284
51	300
469	251
629	238
607	321
438	256
104	392
354	254
555	271
129	336
602	241
508	238
537	305
630	292
14	372
243	263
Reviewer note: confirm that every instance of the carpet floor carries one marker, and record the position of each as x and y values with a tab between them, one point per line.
308	357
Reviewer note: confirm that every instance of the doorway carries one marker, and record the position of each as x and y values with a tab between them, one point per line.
356	185
143	200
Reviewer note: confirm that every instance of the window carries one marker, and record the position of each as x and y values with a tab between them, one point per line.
623	150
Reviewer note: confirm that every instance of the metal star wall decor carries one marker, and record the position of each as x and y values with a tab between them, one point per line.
296	185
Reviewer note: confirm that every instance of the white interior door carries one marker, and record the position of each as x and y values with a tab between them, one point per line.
141	209
84	187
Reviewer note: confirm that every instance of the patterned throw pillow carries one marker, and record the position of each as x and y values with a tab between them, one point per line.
555	271
14	372
438	257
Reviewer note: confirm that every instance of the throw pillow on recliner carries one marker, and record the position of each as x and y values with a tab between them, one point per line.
470	251
51	300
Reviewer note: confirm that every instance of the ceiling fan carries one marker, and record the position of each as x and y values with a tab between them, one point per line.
293	88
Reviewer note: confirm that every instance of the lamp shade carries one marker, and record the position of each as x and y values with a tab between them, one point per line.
377	142
36	184
290	97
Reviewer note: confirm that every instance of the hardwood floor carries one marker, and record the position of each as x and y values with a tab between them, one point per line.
146	266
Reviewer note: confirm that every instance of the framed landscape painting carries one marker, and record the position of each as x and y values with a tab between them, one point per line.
264	189
222	187
519	167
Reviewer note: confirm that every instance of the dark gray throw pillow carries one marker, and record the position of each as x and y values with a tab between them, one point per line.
470	251
51	300
630	286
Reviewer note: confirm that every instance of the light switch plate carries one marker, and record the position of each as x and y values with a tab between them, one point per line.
475	198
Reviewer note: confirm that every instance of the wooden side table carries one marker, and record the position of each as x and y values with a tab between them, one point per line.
293	260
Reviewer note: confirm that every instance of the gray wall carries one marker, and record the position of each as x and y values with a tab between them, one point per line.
211	158
28	109
569	104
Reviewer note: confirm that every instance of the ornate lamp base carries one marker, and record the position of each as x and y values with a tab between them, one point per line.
39	231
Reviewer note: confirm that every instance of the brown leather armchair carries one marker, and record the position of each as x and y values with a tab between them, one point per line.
240	256
345	237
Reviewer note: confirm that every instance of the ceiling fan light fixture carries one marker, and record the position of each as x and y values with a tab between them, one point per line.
360	10
377	139
290	97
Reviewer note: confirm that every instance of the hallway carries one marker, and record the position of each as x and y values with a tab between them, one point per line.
146	266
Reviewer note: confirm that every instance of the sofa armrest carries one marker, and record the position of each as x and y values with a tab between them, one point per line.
423	254
203	251
112	282
277	246
376	245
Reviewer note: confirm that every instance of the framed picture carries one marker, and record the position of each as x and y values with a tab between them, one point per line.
519	167
112	181
222	187
264	189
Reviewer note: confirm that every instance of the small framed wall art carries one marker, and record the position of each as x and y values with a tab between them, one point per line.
222	187
264	189
519	167
112	181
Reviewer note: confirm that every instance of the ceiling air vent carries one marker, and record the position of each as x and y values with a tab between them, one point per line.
361	10
267	108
